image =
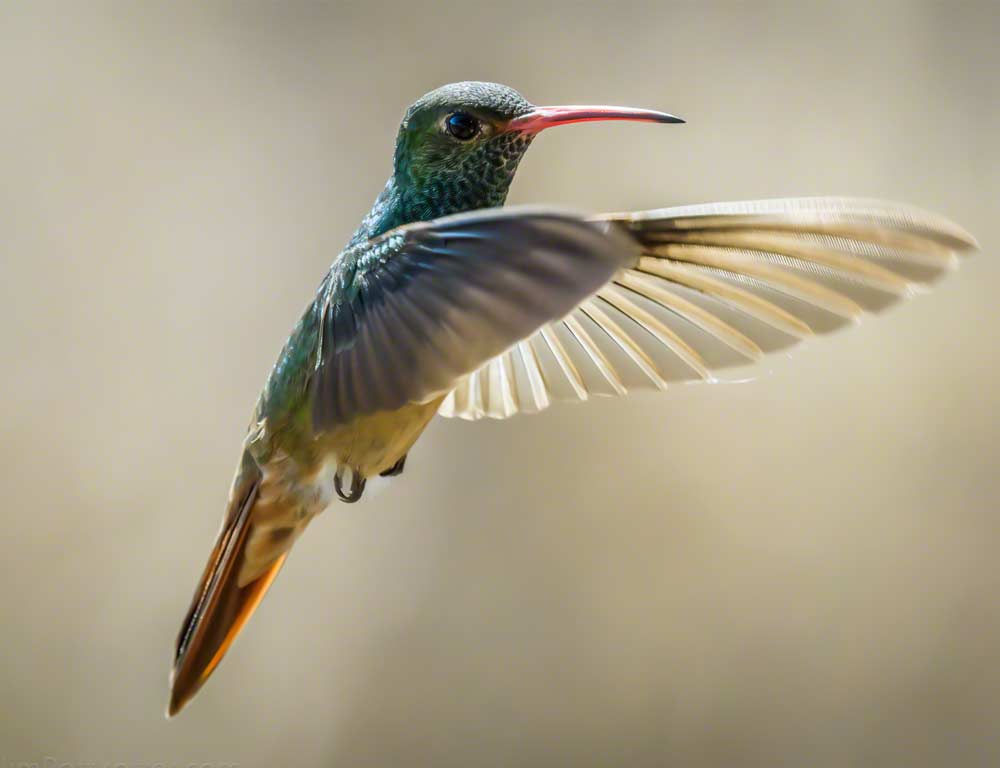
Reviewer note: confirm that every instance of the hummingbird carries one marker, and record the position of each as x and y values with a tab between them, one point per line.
445	302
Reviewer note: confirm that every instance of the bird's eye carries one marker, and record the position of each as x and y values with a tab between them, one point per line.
462	126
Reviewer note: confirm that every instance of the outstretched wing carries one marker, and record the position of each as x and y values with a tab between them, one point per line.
717	286
404	316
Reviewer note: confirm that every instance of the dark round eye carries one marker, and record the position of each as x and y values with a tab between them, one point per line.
462	126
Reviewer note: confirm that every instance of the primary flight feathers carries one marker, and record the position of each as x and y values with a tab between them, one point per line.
715	286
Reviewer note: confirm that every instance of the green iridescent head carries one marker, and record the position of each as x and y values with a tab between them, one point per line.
455	150
458	148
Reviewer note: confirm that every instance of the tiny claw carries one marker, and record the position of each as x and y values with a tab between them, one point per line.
395	469
357	486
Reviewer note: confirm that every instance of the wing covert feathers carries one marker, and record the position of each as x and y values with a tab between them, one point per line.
407	314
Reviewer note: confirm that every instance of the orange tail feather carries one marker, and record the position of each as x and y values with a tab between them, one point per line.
221	606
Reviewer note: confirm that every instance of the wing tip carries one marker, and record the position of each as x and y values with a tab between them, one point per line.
969	242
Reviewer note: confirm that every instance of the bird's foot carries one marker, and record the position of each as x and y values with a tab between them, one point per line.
357	485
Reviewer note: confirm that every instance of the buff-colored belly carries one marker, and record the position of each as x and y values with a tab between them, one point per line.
372	444
301	481
296	486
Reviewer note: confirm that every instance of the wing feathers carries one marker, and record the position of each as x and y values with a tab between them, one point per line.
406	315
744	263
740	298
564	361
726	279
856	218
536	378
594	353
651	289
625	342
659	330
697	247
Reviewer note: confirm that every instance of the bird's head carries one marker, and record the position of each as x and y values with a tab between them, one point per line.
458	146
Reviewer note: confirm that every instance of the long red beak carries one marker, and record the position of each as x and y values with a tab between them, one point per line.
541	118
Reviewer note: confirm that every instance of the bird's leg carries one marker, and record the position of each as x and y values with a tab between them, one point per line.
395	469
357	485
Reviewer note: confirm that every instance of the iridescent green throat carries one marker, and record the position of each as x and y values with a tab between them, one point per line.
424	186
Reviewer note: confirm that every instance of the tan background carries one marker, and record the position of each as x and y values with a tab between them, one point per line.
798	571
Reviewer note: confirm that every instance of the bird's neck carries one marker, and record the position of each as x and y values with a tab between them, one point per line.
404	201
390	210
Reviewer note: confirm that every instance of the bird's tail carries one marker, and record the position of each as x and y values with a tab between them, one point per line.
230	589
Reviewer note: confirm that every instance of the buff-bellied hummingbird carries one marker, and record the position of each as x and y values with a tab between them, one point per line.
445	302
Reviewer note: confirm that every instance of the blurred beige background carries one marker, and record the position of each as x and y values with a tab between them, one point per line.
798	571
